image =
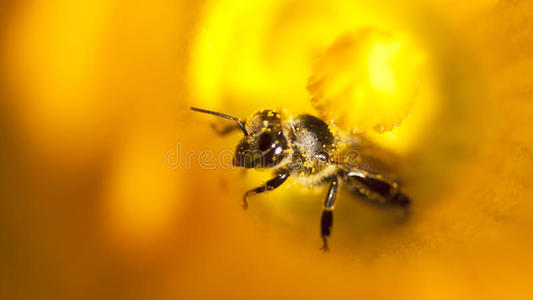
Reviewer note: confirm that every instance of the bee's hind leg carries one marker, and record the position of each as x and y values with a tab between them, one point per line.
273	183
380	191
326	222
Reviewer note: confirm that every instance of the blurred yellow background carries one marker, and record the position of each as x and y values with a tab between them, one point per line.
94	124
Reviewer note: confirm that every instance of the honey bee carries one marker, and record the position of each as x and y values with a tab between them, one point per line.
311	153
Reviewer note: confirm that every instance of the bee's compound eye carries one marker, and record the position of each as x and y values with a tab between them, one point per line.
265	141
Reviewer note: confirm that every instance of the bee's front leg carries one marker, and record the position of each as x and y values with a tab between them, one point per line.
224	130
326	221
273	183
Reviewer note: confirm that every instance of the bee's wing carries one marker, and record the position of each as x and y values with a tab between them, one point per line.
361	153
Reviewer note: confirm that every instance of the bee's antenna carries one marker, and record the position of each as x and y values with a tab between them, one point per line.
241	125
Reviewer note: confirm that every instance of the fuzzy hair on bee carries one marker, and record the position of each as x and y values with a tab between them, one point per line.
311	153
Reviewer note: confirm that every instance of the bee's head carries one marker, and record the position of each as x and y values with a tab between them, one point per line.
265	144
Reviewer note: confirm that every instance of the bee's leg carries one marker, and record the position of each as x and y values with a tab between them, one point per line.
379	190
273	183
224	130
327	214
